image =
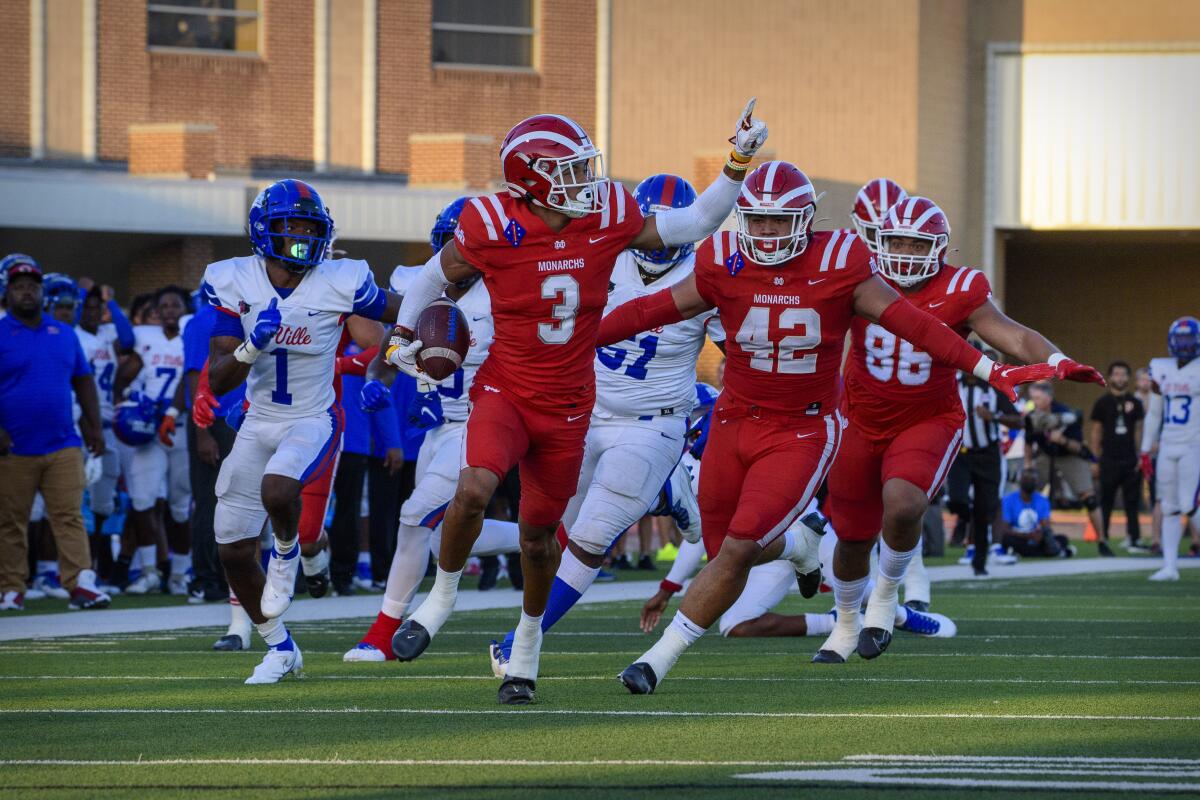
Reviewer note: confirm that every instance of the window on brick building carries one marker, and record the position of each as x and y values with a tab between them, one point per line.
483	33
228	26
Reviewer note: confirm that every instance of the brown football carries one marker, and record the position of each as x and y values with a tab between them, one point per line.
445	338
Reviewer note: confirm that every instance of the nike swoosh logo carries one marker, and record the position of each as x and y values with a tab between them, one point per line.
935	305
592	240
811	282
805	435
314	313
577	416
476	319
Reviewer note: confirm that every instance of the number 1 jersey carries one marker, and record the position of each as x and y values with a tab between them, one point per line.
548	290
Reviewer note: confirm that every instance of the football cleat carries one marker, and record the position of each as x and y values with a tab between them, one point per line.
84	599
517	692
872	642
232	642
318	584
1165	574
498	659
146	583
638	678
48	583
808	564
12	601
938	626
316	572
364	652
277	664
917	605
410	640
178	585
842	641
878	621
809	583
281	583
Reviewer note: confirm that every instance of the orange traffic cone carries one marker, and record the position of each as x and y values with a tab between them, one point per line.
1089	532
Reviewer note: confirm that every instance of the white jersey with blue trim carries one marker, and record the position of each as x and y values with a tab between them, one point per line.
653	373
100	349
476	305
162	363
1180	388
293	375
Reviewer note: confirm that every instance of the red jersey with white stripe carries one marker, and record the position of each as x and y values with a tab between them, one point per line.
891	385
786	325
548	292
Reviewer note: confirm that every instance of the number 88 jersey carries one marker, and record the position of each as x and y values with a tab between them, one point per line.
889	383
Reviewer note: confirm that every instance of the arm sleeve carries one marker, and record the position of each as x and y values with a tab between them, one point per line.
123	326
195	344
680	226
369	300
1153	424
357	363
642	314
685	566
425	288
714	328
930	334
227	324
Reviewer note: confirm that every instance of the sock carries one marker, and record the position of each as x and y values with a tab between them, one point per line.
795	545
239	620
916	579
901	616
847	598
526	648
407	570
180	563
275	635
570	582
818	624
284	548
678	636
497	538
437	607
892	566
363	567
687	561
145	557
1172	535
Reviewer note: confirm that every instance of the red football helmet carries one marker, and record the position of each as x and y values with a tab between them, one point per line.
550	160
776	188
914	218
871	204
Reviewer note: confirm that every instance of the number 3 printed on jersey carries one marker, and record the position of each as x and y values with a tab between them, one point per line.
754	337
565	290
911	366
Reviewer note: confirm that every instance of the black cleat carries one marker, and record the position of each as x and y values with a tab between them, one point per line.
917	605
517	692
872	642
828	657
229	643
639	678
809	583
318	585
1104	550
410	640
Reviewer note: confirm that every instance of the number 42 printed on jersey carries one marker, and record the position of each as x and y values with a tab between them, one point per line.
766	355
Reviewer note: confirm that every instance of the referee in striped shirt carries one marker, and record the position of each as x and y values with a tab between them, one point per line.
980	463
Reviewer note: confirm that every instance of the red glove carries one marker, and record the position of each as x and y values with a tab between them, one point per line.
166	428
1146	466
356	364
204	404
1007	378
1068	369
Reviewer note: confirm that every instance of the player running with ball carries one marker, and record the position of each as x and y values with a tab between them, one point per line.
546	249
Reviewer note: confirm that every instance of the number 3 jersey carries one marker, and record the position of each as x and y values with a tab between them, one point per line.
653	373
293	375
890	385
1180	387
548	291
786	325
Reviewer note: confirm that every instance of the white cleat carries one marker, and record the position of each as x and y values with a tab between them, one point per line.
1165	574
281	583
363	652
49	586
178	585
683	506
146	583
928	623
277	664
498	659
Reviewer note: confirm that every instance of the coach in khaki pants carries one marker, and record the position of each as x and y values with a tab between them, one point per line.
41	363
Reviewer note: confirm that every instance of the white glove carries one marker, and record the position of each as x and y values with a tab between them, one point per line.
751	133
402	354
93	469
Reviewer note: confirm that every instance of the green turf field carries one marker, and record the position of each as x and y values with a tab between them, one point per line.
1087	683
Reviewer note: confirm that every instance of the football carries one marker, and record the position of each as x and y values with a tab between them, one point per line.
445	338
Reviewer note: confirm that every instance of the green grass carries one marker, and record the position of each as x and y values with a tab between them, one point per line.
1019	652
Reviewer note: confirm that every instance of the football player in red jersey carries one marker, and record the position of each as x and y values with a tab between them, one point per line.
545	248
906	419
786	296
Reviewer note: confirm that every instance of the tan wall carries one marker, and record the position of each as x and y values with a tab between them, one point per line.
346	86
64	79
415	98
1110	21
123	76
14	89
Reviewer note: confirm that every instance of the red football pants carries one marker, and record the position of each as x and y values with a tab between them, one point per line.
921	455
757	475
548	446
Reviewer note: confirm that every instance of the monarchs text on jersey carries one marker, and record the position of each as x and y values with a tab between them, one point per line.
785	325
293	375
548	290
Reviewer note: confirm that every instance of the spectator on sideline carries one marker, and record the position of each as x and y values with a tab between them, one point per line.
1116	434
42	370
1023	524
1054	445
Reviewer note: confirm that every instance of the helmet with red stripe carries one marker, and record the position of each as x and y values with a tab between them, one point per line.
290	223
1183	338
775	211
871	204
551	161
912	241
659	193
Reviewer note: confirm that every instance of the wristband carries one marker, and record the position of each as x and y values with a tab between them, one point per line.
171	412
735	166
246	352
983	368
735	156
1056	359
670	586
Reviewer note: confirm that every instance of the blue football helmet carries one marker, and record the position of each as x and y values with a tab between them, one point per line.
136	420
59	290
446	222
290	200
1183	338
659	193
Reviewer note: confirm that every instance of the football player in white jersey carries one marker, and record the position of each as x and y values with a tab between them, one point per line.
151	373
645	390
443	413
1173	429
280	321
